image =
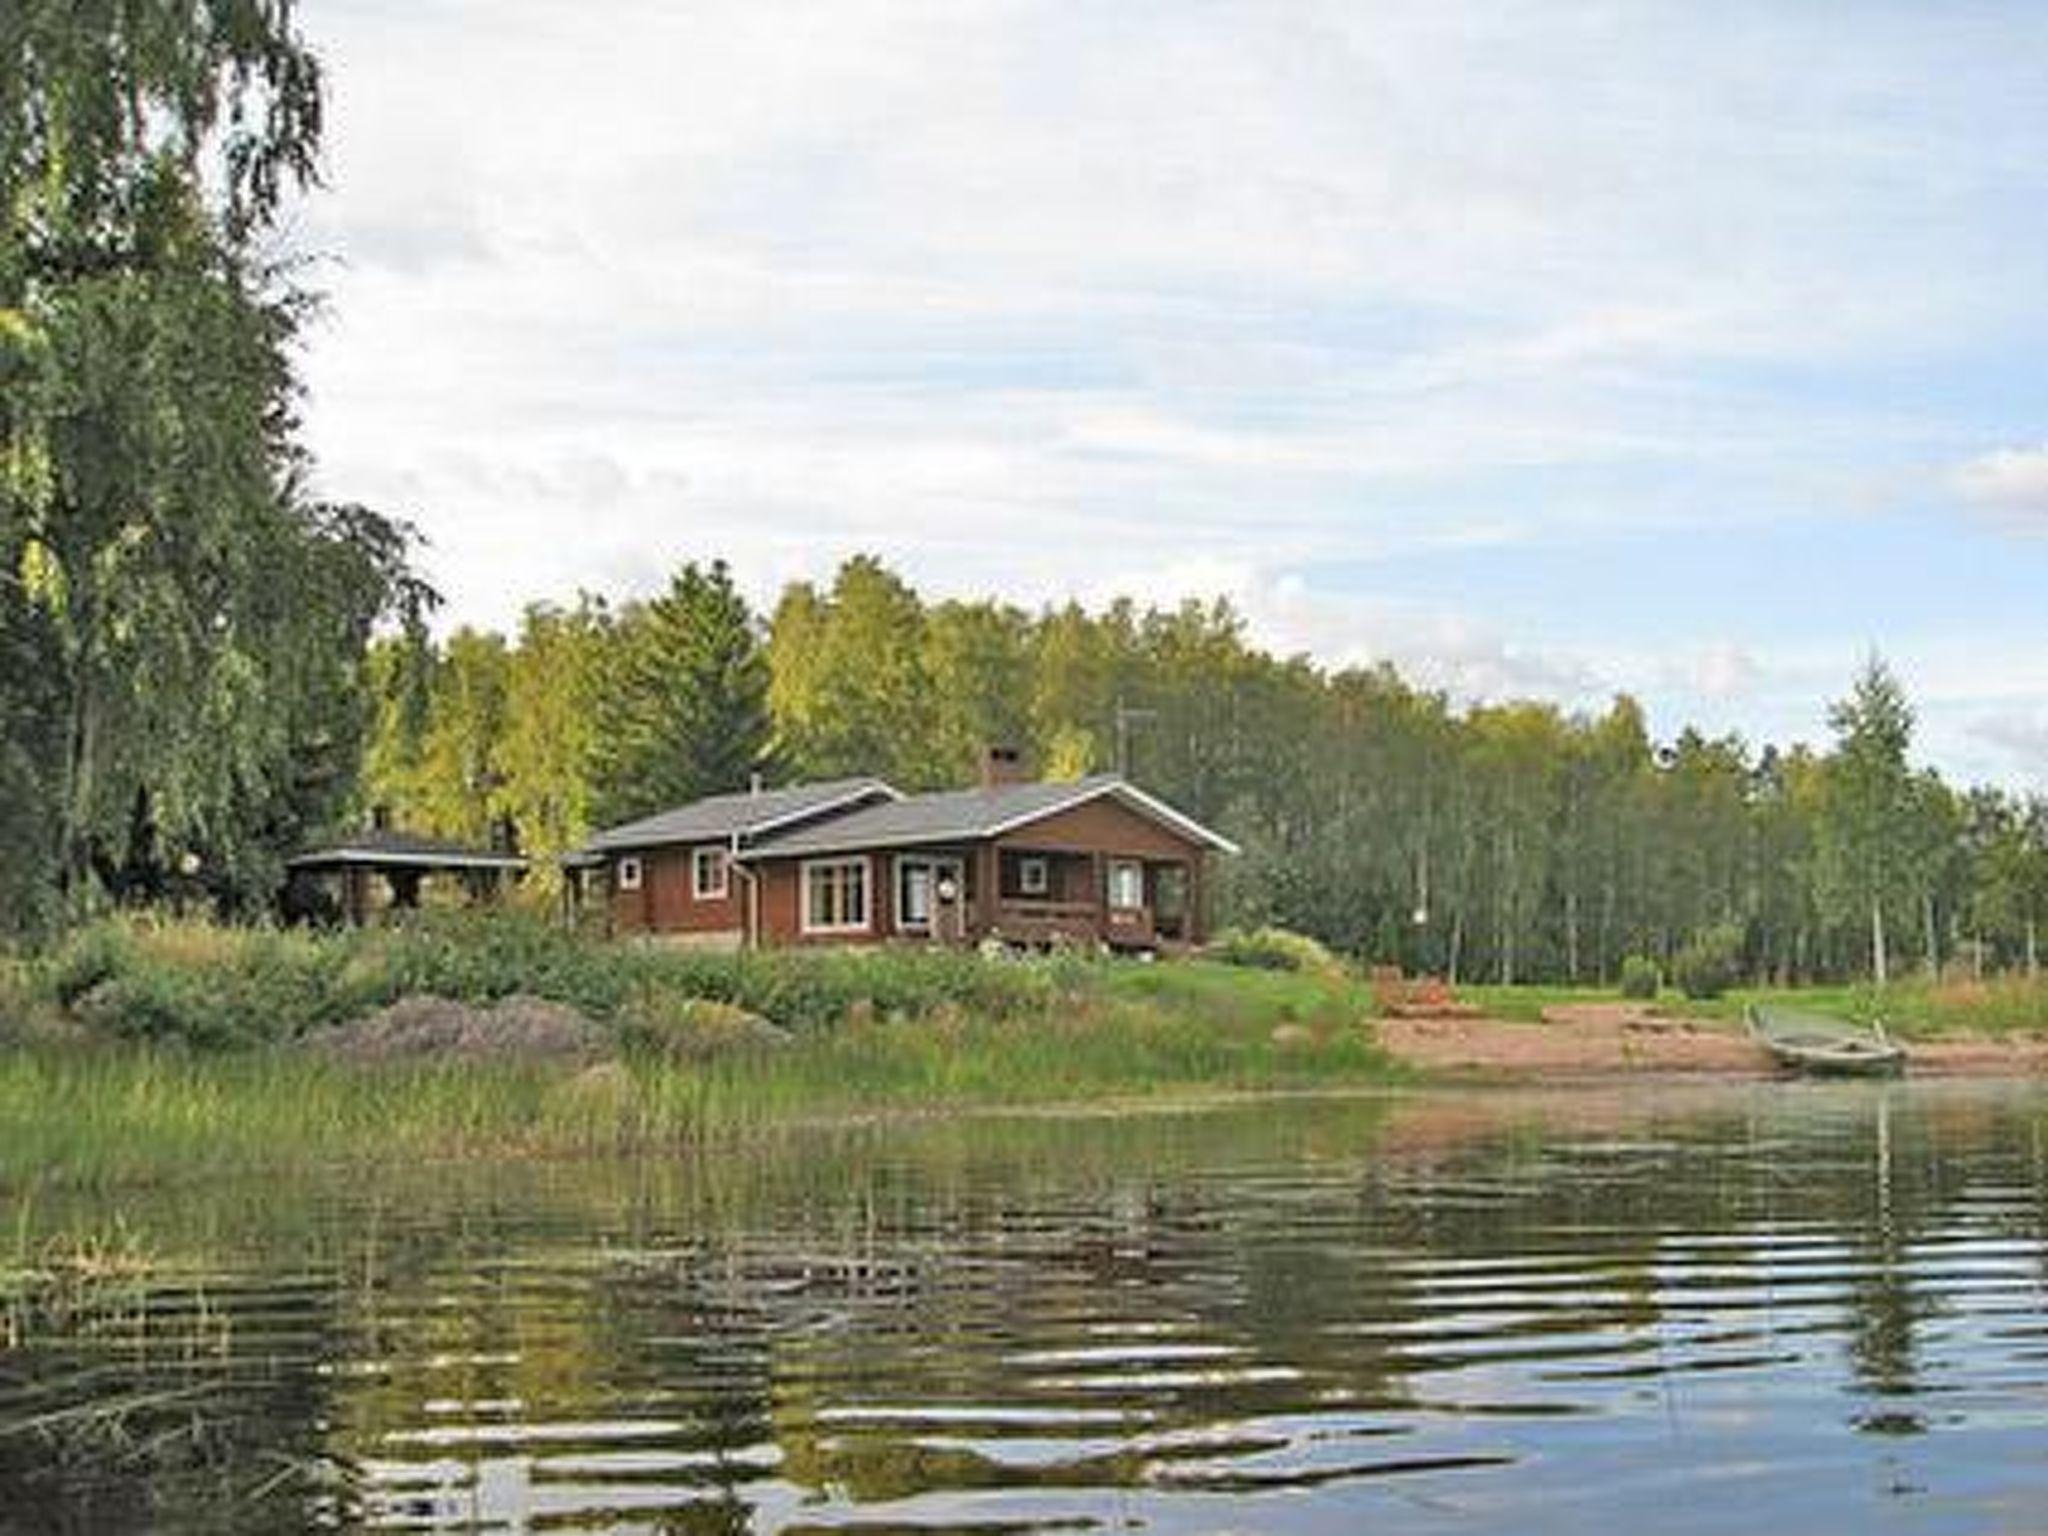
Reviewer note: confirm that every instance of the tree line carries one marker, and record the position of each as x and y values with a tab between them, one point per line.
190	689
1508	841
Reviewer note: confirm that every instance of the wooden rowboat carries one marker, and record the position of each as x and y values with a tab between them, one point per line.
1813	1042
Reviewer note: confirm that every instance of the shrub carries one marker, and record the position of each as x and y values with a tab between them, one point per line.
204	984
1640	977
1274	949
84	960
1710	963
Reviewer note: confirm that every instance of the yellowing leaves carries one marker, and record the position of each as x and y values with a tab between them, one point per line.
42	576
19	331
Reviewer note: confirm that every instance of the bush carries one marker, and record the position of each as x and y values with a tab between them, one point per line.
1274	949
1640	977
1710	963
84	960
210	985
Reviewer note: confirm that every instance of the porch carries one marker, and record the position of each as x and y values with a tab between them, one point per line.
1045	897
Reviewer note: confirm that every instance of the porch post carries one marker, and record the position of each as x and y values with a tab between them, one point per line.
1198	900
987	889
1098	896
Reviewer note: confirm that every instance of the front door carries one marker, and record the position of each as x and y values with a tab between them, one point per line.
930	896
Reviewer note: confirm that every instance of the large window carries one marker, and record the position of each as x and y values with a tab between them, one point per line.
835	896
707	873
1126	885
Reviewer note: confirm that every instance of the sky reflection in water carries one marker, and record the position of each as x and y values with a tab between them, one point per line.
1810	1307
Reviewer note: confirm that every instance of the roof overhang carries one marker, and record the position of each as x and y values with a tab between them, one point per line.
384	858
1148	806
603	845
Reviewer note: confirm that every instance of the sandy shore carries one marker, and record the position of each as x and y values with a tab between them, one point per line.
1602	1039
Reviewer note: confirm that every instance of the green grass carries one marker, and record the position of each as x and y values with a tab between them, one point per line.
183	1058
135	1113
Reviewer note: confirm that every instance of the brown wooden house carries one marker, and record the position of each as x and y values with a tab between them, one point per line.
1094	861
675	873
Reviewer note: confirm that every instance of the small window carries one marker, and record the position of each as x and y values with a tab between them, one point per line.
707	874
1034	876
629	874
1126	885
835	896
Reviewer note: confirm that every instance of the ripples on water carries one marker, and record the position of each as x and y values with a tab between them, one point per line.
1777	1305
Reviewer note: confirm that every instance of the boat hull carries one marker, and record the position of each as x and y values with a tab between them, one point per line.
1825	1047
1875	1063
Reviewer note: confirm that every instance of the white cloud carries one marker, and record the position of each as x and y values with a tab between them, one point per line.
1046	299
2007	479
1721	670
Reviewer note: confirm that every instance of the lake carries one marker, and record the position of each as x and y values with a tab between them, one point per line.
1723	1308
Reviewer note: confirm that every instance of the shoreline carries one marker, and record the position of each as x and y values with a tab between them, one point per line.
1605	1042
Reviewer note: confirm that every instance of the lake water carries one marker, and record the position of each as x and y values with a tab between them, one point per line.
1746	1307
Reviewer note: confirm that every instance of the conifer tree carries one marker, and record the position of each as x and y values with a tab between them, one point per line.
682	696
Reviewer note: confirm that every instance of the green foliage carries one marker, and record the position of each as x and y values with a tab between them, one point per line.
1505	843
194	984
1640	977
179	625
852	689
1710	962
682	698
1867	834
210	985
1273	949
549	751
894	1014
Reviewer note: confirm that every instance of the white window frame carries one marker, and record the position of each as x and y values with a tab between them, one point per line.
1034	875
630	872
1117	867
806	918
699	891
937	868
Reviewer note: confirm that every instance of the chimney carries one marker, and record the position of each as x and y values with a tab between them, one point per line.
380	818
1002	765
754	783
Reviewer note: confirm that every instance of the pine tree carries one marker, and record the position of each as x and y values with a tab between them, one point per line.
682	698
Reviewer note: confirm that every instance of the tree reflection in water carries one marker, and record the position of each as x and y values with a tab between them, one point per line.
1490	1311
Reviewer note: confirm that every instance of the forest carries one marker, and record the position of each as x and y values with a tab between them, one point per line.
1509	841
204	666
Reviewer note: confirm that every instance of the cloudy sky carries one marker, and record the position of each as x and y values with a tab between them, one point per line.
1545	348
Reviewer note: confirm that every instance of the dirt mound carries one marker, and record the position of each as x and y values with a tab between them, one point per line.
526	1028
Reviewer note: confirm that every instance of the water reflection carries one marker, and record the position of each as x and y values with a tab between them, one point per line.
1474	1312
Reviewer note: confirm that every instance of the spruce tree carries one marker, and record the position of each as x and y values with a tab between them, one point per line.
683	698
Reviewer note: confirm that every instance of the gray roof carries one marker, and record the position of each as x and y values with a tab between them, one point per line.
968	815
745	814
385	847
